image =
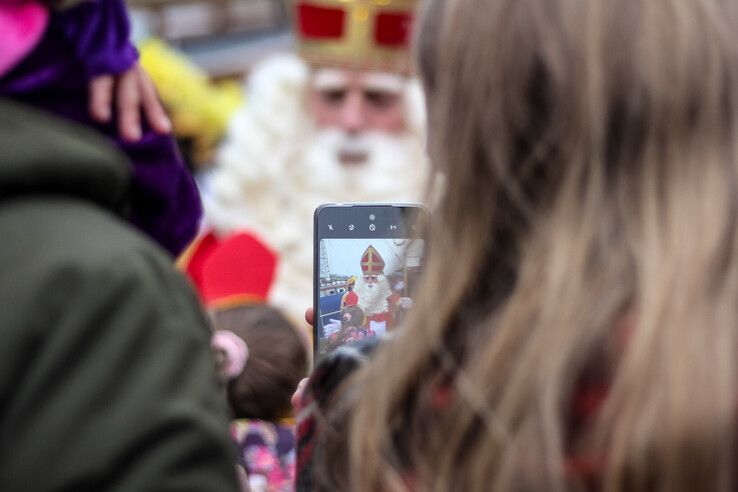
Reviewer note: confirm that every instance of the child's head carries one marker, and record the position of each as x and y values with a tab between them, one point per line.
277	361
352	317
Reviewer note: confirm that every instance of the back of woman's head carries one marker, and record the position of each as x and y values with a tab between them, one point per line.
590	159
276	363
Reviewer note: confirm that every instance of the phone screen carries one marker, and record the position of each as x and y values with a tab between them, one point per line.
368	263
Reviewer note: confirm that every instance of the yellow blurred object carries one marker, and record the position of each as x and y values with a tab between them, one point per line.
199	108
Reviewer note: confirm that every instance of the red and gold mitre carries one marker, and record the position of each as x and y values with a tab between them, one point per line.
361	34
233	271
371	262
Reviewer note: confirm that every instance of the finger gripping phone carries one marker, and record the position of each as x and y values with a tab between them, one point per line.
368	262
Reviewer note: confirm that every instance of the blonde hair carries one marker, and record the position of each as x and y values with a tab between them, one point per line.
589	154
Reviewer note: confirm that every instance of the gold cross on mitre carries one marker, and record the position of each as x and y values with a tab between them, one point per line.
373	259
361	34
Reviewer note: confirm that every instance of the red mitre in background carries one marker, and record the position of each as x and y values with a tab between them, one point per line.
371	262
361	34
229	272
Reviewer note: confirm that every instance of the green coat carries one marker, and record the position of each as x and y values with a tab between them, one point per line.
106	377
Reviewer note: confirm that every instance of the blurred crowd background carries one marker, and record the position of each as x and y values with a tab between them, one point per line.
199	52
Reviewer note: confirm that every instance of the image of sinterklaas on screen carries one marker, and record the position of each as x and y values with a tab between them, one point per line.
366	287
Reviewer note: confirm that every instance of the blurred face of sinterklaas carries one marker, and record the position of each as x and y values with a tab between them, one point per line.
357	102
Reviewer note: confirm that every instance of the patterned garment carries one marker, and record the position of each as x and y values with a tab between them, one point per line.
267	452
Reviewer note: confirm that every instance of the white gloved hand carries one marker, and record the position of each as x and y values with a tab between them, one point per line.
406	303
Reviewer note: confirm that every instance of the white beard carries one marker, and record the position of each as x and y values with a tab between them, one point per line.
275	169
373	298
390	172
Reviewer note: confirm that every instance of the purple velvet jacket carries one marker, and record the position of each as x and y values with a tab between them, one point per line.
81	42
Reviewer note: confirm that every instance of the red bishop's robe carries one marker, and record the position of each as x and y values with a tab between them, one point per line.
387	317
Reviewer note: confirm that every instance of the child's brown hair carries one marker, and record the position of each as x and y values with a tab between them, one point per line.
277	361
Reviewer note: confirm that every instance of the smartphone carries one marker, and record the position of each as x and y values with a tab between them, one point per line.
368	263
